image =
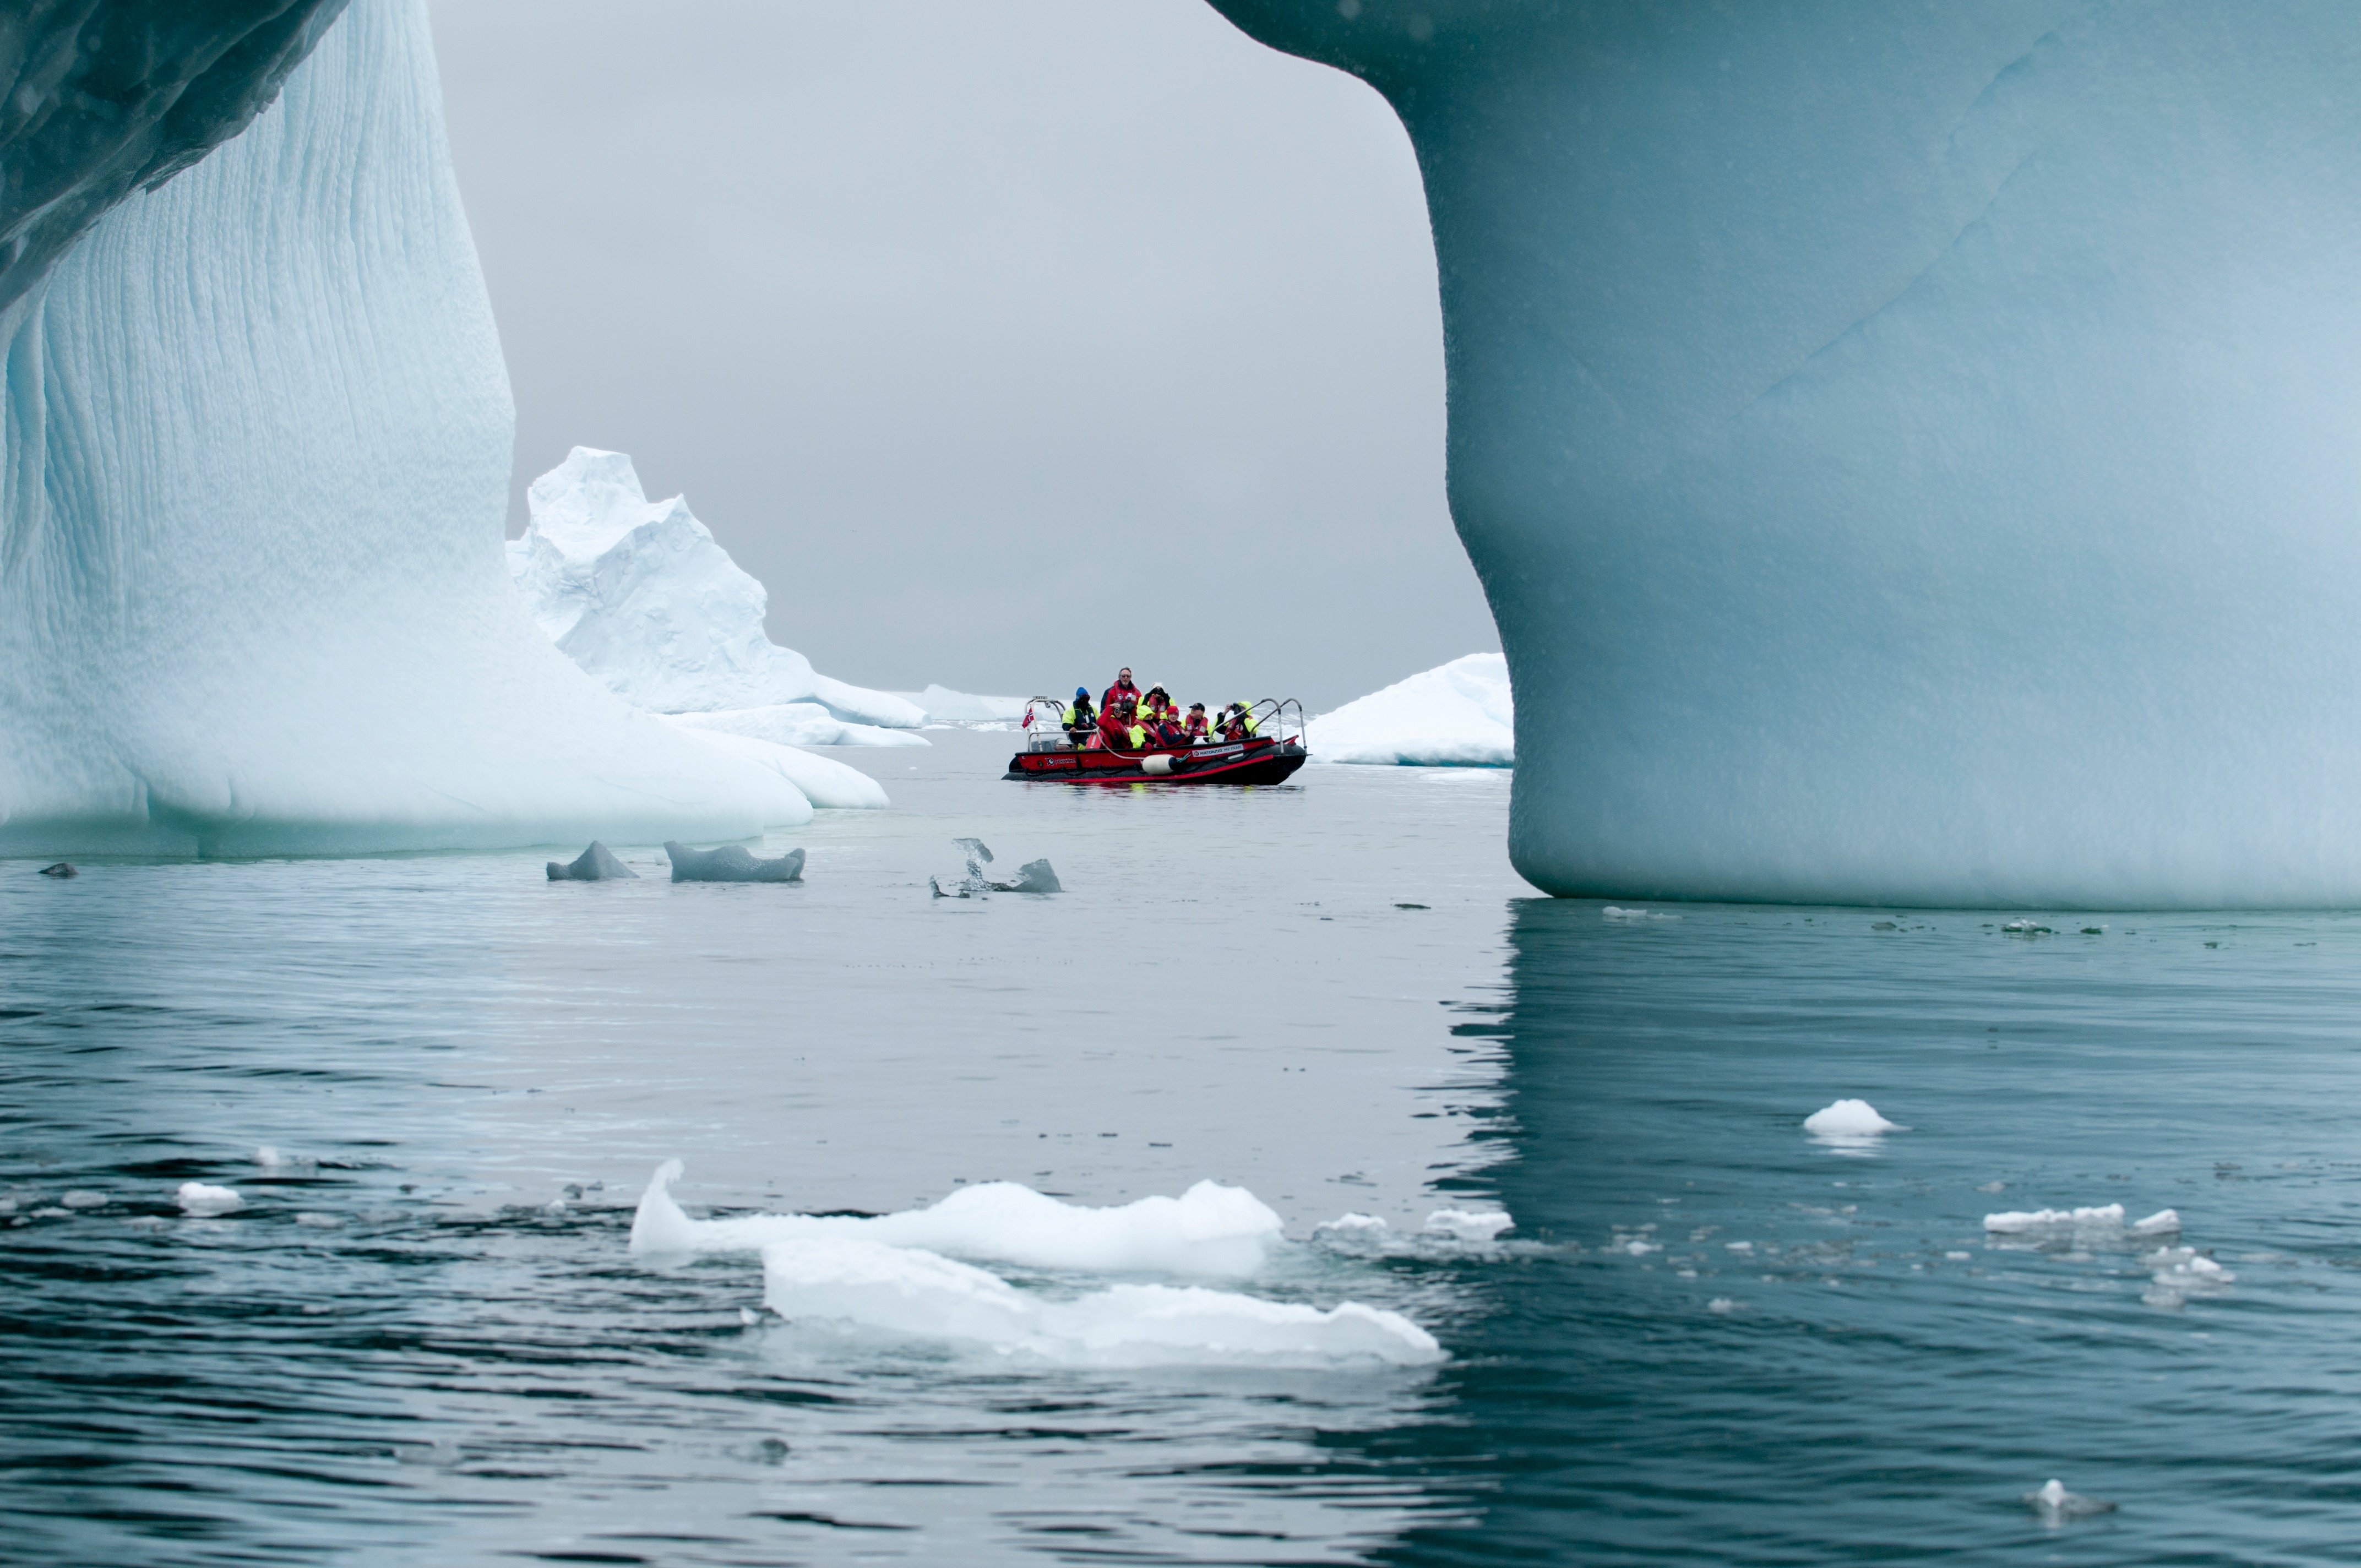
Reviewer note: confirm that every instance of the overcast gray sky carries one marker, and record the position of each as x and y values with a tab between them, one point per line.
1005	341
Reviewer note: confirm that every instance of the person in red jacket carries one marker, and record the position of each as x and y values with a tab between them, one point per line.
1196	730
1121	697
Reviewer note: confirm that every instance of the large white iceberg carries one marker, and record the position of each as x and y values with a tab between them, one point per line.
256	446
1910	450
638	593
1456	715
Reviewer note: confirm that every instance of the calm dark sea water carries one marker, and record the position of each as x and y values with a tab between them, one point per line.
1710	1337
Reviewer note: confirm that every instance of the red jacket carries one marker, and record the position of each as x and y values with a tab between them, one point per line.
1117	694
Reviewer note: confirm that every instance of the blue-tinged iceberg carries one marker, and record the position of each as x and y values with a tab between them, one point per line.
1912	453
257	443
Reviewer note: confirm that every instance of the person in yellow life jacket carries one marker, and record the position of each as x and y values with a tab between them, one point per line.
1237	721
1079	717
1156	704
1197	731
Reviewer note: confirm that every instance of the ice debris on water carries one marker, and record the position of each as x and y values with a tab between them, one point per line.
1723	1305
732	862
2176	1273
1612	912
2026	928
83	1198
2056	1505
202	1199
1455	1232
889	1276
1033	876
597	863
2105	1217
61	869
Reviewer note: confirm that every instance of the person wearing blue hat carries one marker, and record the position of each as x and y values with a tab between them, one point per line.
1080	721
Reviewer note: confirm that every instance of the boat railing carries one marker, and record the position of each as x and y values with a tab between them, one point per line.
1045	725
1270	716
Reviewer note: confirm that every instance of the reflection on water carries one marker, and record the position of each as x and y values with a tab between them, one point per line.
1711	1337
1751	1345
422	1339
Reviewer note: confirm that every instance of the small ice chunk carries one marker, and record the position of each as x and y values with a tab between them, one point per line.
1722	1304
732	862
1850	1117
597	863
2056	1505
2164	1222
1849	1127
83	1198
61	869
1469	1225
2176	1273
1033	876
201	1198
1958	1257
1612	912
269	1158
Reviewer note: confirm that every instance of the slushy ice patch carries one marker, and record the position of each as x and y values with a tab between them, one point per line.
1448	1233
903	1276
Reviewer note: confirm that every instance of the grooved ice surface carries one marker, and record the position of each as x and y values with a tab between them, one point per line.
252	594
638	593
1910	451
95	100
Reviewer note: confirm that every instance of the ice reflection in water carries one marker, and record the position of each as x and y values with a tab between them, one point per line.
422	1337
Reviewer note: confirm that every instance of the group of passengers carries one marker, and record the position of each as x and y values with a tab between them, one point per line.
1128	719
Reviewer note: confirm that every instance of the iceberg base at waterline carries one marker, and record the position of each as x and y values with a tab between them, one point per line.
1456	715
257	436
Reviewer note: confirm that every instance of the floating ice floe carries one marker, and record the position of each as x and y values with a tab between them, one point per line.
896	1275
597	863
1033	876
1614	913
2056	1505
1456	715
203	1200
1849	1127
732	862
2101	1220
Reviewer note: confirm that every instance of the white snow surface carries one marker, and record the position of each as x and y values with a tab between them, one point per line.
638	593
890	1276
1459	714
1908	450
257	439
